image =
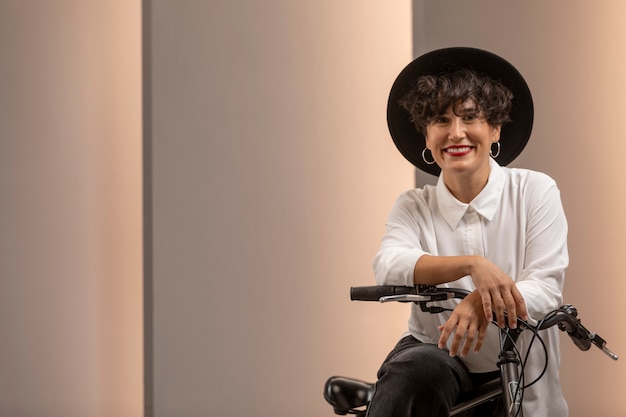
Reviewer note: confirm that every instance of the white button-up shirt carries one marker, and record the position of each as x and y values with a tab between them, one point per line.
517	222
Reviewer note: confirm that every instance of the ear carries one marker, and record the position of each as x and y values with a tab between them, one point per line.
496	133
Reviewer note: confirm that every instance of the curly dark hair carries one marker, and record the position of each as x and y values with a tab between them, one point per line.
432	95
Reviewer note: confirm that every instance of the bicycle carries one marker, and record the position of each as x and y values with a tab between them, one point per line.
352	396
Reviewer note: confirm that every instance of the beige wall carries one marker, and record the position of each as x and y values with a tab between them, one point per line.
70	209
571	53
272	175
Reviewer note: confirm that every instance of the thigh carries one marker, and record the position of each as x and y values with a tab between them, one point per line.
418	379
430	361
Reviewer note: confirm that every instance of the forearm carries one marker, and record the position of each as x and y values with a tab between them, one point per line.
497	290
435	270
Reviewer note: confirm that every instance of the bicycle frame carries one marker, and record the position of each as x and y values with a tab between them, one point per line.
507	387
489	391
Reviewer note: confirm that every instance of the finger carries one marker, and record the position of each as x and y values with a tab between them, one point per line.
511	310
470	337
447	330
445	335
482	332
499	308
520	304
486	299
457	340
460	339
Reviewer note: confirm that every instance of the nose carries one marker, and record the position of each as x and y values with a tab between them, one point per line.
457	129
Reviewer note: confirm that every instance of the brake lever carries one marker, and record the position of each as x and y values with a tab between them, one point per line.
435	296
581	336
404	298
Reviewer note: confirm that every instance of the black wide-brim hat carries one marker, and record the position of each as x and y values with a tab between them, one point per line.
513	136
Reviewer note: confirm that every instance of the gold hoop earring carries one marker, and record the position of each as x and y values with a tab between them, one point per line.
497	153
424	157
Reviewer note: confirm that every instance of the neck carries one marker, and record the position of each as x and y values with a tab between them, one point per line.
466	187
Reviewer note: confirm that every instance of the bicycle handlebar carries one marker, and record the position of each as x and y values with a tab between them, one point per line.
385	293
565	317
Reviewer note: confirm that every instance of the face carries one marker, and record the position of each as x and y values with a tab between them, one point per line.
460	143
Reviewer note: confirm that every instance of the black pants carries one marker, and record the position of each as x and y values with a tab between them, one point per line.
420	380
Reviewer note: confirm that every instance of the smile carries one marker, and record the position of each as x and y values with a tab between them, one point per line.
458	150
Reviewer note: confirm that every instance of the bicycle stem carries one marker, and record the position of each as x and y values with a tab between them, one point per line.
512	388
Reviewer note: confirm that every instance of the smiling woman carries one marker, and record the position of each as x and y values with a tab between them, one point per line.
499	233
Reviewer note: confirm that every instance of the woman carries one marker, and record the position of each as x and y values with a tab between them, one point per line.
498	232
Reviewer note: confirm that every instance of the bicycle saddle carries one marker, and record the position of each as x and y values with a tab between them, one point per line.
347	394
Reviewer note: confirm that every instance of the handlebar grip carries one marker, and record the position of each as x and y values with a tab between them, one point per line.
375	292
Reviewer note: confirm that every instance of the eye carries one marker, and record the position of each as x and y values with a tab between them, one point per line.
440	120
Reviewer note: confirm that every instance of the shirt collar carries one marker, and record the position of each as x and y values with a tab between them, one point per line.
485	203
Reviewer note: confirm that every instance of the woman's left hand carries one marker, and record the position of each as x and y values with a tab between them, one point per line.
467	324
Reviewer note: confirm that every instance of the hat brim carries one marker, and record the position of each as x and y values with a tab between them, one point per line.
513	136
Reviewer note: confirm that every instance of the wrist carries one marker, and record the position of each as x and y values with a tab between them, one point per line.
472	263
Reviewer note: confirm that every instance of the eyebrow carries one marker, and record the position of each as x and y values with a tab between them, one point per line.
462	110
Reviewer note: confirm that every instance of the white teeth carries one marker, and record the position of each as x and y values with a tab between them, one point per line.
458	150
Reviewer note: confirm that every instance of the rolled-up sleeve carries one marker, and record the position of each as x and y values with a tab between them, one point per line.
401	245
